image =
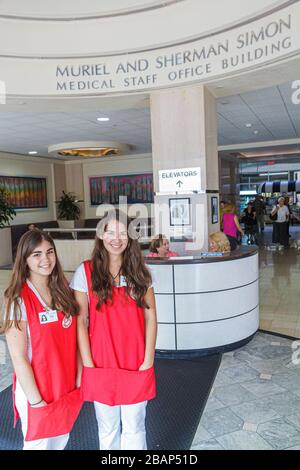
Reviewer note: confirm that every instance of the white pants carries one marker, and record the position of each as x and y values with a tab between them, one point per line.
121	427
50	443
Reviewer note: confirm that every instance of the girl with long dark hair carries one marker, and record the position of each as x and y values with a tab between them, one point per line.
117	334
40	327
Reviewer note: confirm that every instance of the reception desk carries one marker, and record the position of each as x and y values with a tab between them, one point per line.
206	304
72	253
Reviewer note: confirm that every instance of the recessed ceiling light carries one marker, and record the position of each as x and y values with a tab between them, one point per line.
248	124
255	132
102	119
32	152
219	86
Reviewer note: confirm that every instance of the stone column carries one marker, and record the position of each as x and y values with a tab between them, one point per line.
184	135
59	173
68	176
74	183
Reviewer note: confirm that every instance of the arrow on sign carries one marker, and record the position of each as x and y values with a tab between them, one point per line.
179	183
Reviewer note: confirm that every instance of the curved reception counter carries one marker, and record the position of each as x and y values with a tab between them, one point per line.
205	305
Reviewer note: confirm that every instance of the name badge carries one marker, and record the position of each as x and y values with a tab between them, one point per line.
123	282
49	316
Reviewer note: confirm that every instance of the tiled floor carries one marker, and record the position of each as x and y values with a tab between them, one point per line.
255	400
5	365
279	286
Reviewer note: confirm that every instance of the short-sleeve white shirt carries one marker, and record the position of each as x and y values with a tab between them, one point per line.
282	212
79	282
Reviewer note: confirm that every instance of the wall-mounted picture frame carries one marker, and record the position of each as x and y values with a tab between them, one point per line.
108	189
214	210
180	211
25	192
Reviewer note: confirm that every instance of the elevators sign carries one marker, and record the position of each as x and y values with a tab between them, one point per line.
180	180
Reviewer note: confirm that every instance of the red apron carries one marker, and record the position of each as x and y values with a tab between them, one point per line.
54	364
117	340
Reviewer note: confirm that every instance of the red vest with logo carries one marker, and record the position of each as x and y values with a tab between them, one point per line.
54	364
117	340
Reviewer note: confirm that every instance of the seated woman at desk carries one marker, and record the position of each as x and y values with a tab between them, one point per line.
32	227
218	242
159	248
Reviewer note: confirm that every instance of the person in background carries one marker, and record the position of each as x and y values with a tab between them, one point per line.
218	242
260	211
250	223
231	222
287	204
160	248
222	206
32	227
280	232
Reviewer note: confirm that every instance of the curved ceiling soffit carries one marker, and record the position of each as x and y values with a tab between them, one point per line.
132	8
278	5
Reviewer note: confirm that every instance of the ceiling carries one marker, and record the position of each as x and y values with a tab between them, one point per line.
24	132
270	111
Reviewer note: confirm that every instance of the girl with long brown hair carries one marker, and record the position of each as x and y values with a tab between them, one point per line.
40	327
117	334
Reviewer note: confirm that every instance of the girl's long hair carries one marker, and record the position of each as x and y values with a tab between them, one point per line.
133	266
62	295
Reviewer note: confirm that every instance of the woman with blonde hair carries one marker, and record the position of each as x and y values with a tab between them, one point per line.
218	242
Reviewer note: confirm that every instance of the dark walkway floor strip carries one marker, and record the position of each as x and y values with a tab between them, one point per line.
183	387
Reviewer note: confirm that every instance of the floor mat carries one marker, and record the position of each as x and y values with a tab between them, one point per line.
183	387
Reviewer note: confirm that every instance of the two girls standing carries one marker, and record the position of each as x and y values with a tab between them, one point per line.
116	330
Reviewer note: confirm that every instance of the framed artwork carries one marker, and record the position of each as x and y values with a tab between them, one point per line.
108	189
214	210
25	192
179	211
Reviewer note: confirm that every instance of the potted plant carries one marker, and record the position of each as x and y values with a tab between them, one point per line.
7	213
68	210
